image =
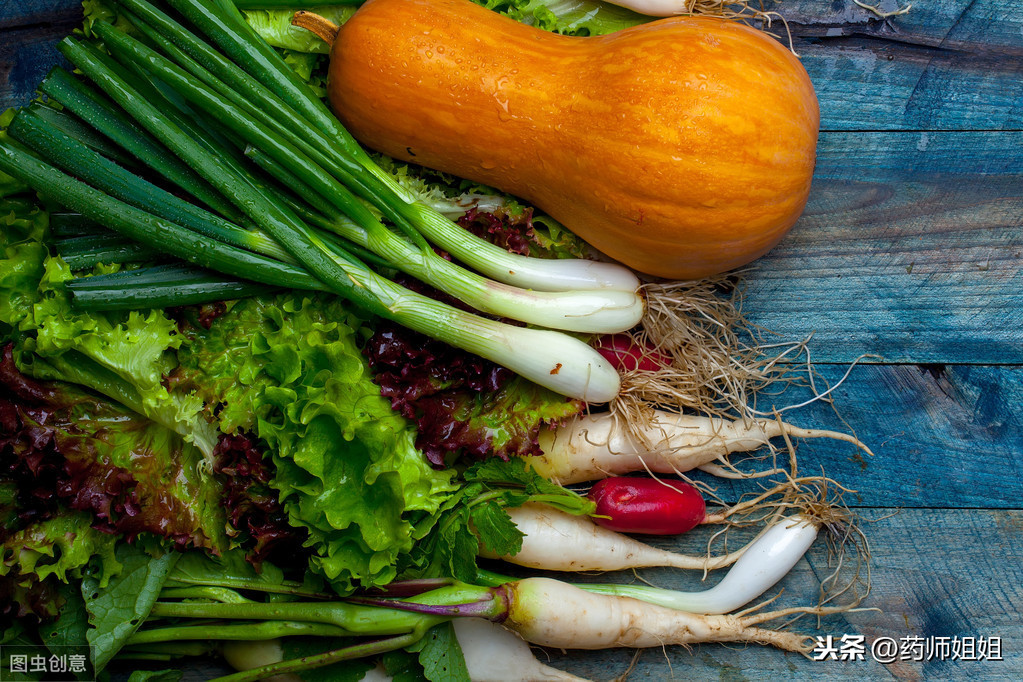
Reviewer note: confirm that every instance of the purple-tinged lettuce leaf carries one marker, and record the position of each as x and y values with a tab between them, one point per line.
257	518
461	404
66	449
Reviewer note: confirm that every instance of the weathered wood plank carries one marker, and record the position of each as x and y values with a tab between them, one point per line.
26	55
942	436
19	13
936	573
963	25
910	248
867	84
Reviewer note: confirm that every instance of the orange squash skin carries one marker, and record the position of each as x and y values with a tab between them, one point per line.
683	147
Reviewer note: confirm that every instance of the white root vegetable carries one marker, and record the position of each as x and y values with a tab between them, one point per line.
552	613
766	560
654	8
595	446
496	654
246	655
556	541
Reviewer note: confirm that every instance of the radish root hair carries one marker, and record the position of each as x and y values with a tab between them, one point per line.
715	363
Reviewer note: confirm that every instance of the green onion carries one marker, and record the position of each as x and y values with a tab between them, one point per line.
83	253
162	235
104	174
65	224
77	130
158	287
84	103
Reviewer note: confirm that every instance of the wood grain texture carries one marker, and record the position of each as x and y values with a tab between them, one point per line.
964	25
910	249
22	13
26	55
870	84
942	436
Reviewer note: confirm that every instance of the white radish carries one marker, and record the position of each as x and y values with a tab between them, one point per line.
766	560
595	446
246	655
496	654
557	541
552	613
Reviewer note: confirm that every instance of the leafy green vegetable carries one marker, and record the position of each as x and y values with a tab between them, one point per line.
441	655
289	370
274	26
72	624
449	540
571	17
23	228
61	547
117	609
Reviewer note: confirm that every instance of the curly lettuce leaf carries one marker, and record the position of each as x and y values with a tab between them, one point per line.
289	370
121	355
23	227
67	449
62	547
570	17
274	26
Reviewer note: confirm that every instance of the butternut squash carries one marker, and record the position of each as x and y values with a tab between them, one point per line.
683	147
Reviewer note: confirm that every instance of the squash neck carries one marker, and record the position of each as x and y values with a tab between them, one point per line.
324	29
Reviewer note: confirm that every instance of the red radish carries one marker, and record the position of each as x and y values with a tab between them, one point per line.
646	505
626	355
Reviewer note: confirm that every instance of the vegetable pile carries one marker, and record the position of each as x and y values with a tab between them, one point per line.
271	397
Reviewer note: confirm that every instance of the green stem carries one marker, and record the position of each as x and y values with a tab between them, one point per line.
84	253
136	224
286	587
375	648
77	130
252	99
350	619
218	594
241	123
104	174
280	223
236	632
86	104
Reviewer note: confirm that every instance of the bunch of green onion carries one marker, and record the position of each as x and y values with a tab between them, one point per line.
279	195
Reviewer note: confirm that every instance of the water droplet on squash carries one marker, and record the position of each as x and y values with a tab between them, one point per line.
488	164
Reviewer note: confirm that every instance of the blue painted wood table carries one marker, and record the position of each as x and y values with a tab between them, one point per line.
910	252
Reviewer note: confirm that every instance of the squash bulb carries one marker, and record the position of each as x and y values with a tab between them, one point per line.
683	147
